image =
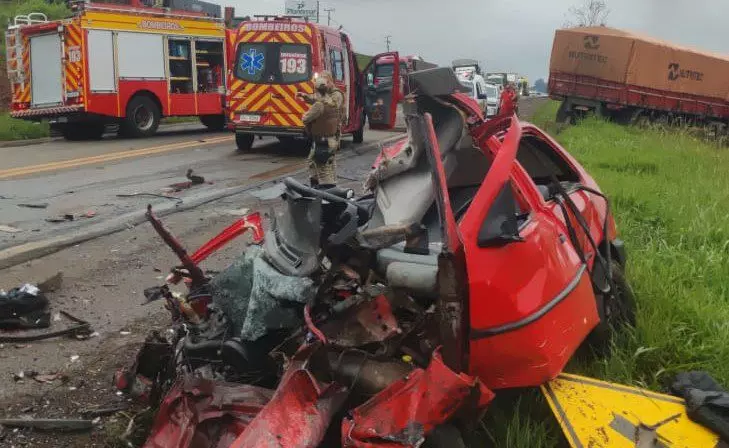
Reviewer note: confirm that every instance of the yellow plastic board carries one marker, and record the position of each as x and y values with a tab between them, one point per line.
596	414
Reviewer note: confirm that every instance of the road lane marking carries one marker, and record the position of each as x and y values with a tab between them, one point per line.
111	157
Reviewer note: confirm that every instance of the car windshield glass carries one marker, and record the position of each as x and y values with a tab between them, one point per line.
273	63
384	70
492	92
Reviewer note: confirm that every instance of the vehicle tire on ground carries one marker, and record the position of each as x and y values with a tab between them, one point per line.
213	122
616	310
564	116
243	141
641	119
142	117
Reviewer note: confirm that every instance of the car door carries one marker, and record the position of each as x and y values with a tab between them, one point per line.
544	164
530	300
381	100
452	303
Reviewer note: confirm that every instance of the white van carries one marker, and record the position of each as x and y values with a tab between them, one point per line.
487	95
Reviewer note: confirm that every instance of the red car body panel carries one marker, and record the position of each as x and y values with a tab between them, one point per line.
531	303
402	414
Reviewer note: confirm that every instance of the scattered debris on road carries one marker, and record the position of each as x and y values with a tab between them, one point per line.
24	307
153	195
63	218
40	205
27	307
194	179
48	424
52	283
9	229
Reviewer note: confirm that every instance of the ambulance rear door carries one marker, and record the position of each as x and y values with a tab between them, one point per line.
382	98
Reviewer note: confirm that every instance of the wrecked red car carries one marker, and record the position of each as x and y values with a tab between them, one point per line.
482	258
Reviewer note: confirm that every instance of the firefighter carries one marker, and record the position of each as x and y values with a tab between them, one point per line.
323	123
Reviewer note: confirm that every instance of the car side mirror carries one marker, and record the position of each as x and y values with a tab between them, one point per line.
483	96
501	225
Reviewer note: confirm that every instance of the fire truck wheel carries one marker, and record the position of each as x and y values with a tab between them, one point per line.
142	118
213	122
244	142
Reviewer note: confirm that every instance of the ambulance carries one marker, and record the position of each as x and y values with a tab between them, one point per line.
274	57
112	64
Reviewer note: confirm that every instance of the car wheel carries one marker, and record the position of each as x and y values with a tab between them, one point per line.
213	122
244	142
142	118
616	310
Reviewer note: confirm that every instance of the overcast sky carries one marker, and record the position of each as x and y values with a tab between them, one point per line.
506	35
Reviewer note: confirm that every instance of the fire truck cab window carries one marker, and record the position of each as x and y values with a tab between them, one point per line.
273	63
337	64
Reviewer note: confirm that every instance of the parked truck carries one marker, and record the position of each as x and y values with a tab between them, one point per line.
636	79
118	64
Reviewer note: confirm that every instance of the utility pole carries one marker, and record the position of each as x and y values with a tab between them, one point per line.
387	41
317	11
329	12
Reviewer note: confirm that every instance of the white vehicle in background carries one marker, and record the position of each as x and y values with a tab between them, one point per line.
493	95
485	94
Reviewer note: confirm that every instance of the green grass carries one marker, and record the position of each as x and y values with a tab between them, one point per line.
362	60
670	196
8	10
177	120
12	129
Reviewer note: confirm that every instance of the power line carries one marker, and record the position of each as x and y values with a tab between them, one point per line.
329	12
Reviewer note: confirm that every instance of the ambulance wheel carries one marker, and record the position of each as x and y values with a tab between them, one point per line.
244	142
142	118
616	310
213	122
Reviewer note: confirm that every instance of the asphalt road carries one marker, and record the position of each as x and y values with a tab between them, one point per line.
84	178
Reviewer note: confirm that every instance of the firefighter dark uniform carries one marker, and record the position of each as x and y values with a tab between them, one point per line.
323	122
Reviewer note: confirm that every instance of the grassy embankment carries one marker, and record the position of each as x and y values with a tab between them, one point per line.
670	196
11	129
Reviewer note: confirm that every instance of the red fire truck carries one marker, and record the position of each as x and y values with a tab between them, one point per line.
129	65
276	57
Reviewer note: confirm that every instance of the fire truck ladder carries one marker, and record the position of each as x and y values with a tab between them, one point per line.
14	45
